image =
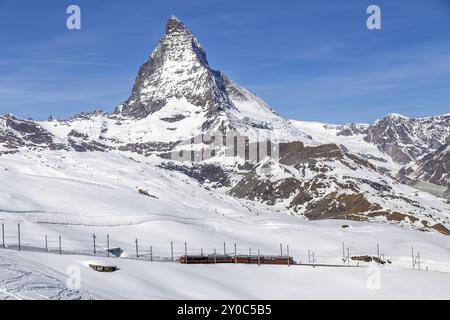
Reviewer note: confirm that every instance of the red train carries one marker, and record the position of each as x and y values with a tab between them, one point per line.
263	259
209	259
244	259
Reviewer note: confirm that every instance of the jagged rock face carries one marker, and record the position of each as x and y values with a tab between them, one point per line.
178	68
435	167
406	139
208	174
295	152
177	86
81	142
326	182
17	133
344	206
352	129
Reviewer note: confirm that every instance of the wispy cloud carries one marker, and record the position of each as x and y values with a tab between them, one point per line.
403	81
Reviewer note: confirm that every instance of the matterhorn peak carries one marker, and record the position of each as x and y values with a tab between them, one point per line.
177	88
175	25
177	69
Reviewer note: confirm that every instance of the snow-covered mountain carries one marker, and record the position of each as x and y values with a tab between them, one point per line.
418	144
405	139
319	171
431	172
177	86
435	167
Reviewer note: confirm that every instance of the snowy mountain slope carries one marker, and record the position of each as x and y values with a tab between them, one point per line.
404	139
413	149
75	194
326	182
17	133
255	119
58	188
129	196
431	172
354	142
435	167
397	137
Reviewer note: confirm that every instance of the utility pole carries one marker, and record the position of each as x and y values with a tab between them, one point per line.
415	260
281	249
185	249
201	252
378	251
3	235
343	251
259	259
418	258
171	250
309	256
235	249
46	243
137	248
60	249
313	260
215	256
348	257
93	237
107	243
224	249
250	252
151	254
18	233
288	258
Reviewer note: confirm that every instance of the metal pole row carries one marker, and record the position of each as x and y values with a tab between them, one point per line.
416	259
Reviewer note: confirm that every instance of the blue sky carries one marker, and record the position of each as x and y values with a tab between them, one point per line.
310	60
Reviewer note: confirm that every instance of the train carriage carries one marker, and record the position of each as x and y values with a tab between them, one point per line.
242	259
205	259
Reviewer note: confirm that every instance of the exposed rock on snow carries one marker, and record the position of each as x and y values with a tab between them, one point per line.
404	139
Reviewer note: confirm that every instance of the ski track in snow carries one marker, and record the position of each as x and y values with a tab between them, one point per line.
21	281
